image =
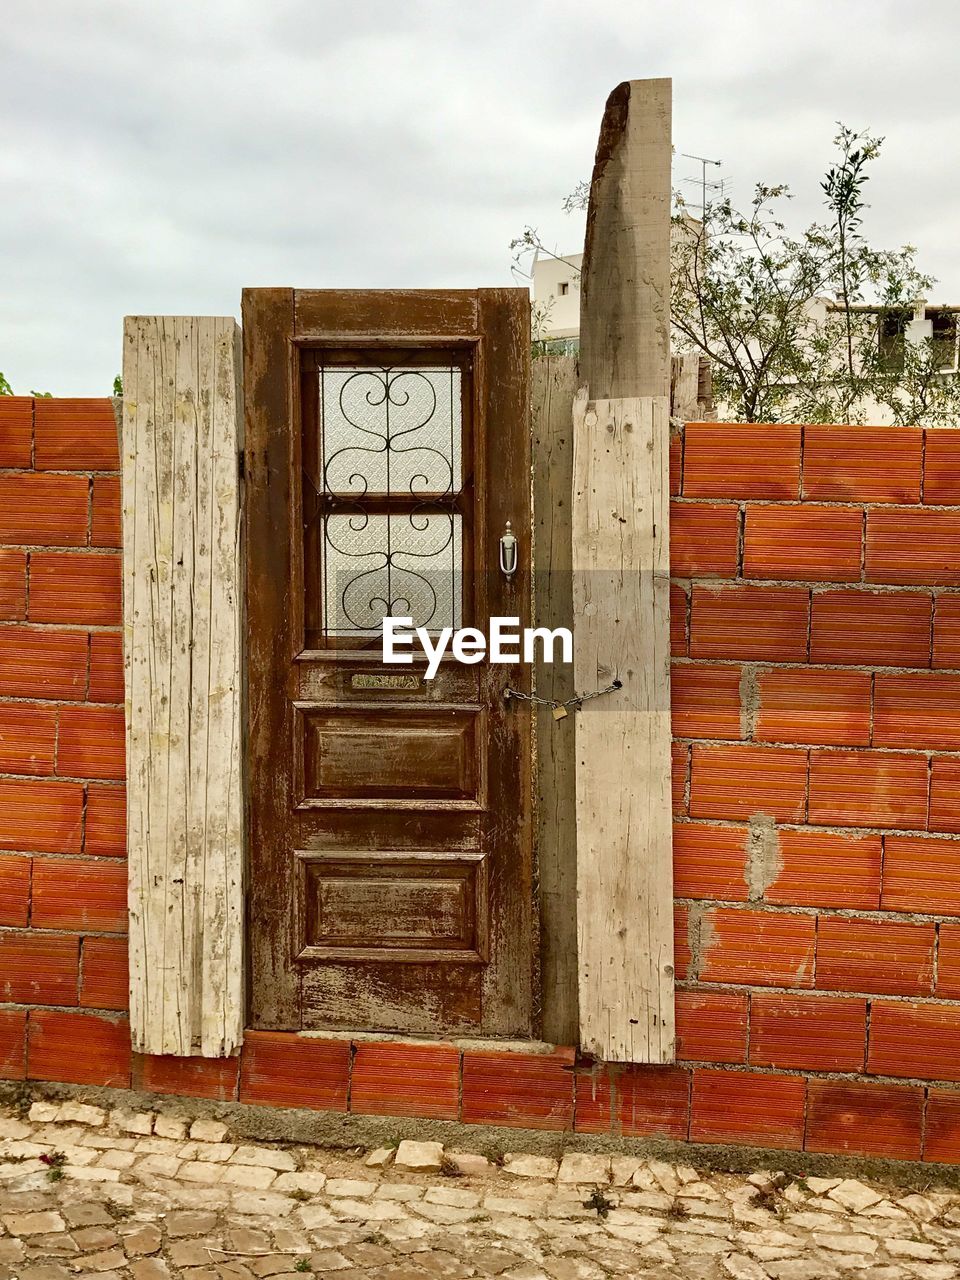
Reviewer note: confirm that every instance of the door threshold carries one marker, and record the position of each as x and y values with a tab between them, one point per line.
481	1043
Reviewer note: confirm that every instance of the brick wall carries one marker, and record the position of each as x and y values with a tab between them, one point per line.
816	688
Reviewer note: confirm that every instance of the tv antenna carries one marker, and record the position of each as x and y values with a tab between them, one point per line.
703	161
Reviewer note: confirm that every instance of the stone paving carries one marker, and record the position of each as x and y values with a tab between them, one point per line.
147	1196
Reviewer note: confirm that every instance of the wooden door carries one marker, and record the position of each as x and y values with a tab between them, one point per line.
390	839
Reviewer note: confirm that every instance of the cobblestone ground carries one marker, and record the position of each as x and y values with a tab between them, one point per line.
146	1196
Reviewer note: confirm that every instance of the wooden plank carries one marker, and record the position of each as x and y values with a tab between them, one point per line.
691	391
621	600
182	633
554	383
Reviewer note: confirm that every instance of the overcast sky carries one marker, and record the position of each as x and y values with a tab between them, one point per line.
157	157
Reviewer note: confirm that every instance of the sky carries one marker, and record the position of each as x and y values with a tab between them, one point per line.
155	158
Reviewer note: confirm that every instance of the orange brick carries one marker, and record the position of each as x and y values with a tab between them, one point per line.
39	968
679	771
215	1078
681	941
105	528
83	588
867	629
28	737
920	710
811	1033
759	948
921	875
941	1139
13	585
396	1079
705	700
16	431
810	705
704	539
946	630
862	464
105	833
948	962
106	667
39	510
529	1090
42	664
678	621
78	1048
92	742
711	1026
913	546
739	781
738	1106
880	957
710	862
820	544
850	1118
105	981
41	817
758	623
941	467
676	462
76	435
14	890
282	1069
918	1040
823	869
77	893
731	460
633	1102
868	789
945	794
13	1044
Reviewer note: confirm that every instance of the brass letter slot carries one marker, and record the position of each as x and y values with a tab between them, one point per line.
373	681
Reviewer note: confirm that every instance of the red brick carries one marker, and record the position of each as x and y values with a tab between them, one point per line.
678	621
739	781
28	738
847	1117
395	1079
941	1142
731	460
47	511
13	1044
806	543
948	962
520	1090
215	1078
106	667
633	1102
881	957
946	630
42	664
105	982
913	546
676	462
921	875
811	1033
105	833
16	431
759	948
863	628
679	770
945	794
78	1048
710	862
941	467
41	817
76	435
14	890
92	743
823	869
80	587
810	705
681	941
868	789
13	585
738	1106
921	709
750	623
39	968
105	530
705	700
704	539
915	1040
862	464
282	1069
77	893
711	1026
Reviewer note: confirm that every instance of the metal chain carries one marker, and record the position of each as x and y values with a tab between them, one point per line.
560	708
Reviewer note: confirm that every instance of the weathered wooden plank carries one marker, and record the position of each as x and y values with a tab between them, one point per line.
691	394
554	384
621	600
182	614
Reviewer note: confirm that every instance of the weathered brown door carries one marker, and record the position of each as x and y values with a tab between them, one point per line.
387	446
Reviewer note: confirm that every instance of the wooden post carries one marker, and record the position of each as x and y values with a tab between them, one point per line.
182	633
621	589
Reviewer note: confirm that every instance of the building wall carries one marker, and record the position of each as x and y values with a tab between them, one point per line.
816	698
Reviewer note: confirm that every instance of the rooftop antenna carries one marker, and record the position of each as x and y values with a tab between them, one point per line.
703	162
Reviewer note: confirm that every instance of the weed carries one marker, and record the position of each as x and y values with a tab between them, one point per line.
599	1202
375	1237
302	1264
678	1211
449	1168
298	1193
54	1162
